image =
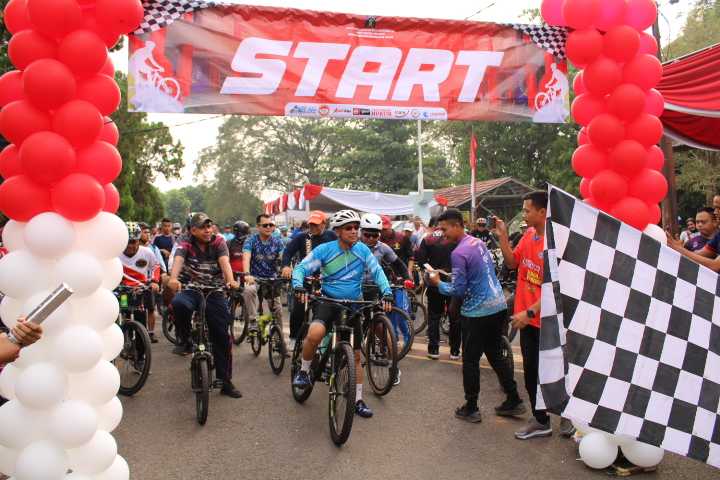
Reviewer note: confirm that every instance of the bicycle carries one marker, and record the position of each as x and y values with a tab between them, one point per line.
418	310
135	358
239	325
268	329
402	321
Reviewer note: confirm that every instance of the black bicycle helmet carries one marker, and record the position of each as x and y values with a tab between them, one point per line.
241	228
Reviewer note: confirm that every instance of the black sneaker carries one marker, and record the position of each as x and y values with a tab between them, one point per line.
182	349
229	390
468	414
153	339
510	408
433	353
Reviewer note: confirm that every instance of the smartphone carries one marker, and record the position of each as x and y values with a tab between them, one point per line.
428	267
491	222
50	304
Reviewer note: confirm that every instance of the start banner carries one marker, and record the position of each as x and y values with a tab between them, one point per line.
236	59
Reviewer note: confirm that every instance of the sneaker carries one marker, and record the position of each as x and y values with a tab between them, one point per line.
567	429
229	390
291	345
468	414
396	382
153	339
455	356
302	380
362	410
510	407
534	429
433	353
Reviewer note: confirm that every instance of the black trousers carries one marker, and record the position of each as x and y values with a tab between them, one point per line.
297	316
530	347
483	335
437	304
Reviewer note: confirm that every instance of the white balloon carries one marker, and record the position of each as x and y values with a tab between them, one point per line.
8	378
20	425
49	235
105	236
597	450
94	456
98	310
81	271
656	232
41	386
35	353
10	309
12	235
113	341
56	321
8	457
97	386
110	414
78	476
622	440
119	470
78	348
642	454
20	274
73	423
42	459
113	273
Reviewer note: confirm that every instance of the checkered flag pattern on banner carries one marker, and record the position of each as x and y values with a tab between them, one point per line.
630	335
161	13
550	39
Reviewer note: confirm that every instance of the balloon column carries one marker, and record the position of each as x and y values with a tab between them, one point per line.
618	157
57	191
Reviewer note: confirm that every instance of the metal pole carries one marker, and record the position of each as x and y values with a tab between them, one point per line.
421	185
472	196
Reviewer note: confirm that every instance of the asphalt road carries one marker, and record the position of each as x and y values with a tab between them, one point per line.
267	435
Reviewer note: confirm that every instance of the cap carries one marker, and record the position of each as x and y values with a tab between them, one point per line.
482	221
408	227
176	225
386	223
317	217
283	228
199	219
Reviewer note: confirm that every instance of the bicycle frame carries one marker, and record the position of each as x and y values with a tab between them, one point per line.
202	347
135	301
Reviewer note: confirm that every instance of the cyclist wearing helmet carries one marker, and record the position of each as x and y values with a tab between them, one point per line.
241	230
342	264
371	226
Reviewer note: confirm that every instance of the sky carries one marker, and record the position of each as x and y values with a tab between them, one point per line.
200	131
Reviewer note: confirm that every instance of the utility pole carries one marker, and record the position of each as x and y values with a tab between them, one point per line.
421	184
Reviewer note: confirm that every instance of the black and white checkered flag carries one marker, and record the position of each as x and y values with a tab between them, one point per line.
161	13
550	39
630	335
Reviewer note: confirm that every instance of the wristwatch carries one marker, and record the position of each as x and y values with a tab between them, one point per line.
530	313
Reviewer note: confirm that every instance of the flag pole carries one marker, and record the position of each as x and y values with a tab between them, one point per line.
421	185
473	167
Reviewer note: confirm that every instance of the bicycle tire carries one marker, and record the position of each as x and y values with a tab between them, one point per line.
276	350
381	355
239	325
255	342
168	326
406	345
132	381
342	384
202	394
299	394
421	316
507	352
445	323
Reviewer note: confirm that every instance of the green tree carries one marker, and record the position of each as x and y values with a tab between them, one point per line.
176	204
197	196
702	28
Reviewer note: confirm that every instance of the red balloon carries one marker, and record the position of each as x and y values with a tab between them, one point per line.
582	137
578	84
581	14
627	101
11	87
611	14
551	12
655	158
648	44
649	185
628	158
586	107
78	197
21	199
640	14
101	91
47	157
109	133
19	120
108	69
112	198
584	46
100	160
632	211
84	52
654	103
585	188
608	187
54	18
16	17
122	16
621	43
48	83
588	160
646	129
602	76
78	121
606	131
655	214
10	162
27	46
644	71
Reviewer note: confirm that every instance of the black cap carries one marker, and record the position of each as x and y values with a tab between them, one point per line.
199	219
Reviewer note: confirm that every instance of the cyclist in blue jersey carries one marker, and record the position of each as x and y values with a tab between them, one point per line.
342	265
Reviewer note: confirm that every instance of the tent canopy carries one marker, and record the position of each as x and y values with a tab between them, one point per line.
691	88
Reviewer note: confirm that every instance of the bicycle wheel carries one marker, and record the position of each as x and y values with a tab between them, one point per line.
299	394
255	341
381	354
276	350
135	359
239	326
420	312
404	331
341	404
445	323
202	389
168	326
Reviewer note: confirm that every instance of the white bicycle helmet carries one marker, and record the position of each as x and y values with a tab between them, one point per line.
343	217
371	221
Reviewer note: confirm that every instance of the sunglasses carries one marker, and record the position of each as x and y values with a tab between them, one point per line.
349	228
371	235
267	225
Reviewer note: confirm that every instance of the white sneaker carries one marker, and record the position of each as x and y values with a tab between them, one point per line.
454	357
396	382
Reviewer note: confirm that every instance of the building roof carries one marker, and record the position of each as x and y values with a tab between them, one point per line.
499	187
